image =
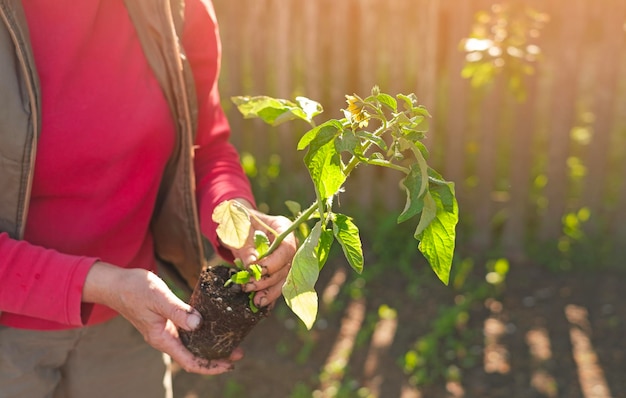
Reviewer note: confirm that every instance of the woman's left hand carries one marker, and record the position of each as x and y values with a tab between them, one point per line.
275	266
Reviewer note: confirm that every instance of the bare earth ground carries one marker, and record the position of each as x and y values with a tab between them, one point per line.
548	335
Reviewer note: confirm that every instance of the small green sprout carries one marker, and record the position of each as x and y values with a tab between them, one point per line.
253	271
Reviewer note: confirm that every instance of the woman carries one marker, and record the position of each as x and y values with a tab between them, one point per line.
113	148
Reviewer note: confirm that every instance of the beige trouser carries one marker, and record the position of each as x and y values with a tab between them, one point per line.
107	360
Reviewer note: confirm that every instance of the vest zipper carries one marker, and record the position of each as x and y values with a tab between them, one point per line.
26	70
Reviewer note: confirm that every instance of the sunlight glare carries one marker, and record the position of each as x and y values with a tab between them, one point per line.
382	339
334	286
339	356
538	342
590	374
496	355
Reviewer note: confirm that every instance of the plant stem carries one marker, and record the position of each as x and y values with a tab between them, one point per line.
272	230
355	160
385	163
303	217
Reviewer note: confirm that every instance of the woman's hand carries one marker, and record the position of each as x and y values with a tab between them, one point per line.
144	300
276	265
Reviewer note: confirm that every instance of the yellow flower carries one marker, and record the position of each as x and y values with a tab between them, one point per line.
356	111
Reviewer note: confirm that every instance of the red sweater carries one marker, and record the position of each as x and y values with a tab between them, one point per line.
106	136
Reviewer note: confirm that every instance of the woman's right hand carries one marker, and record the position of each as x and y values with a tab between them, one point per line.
145	301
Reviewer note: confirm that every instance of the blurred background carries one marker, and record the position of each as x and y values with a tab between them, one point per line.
528	104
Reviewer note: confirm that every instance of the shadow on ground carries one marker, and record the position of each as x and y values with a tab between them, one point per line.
547	335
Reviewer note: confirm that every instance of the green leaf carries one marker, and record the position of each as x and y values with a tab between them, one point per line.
321	134
323	248
326	169
309	107
413	128
388	101
273	111
412	184
444	189
437	240
324	162
240	278
410	101
253	306
299	288
347	142
347	235
302	232
418	150
373	138
423	150
261	243
255	271
420	110
233	222
429	213
239	264
294	207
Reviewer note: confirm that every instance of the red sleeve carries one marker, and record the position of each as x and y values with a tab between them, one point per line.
218	170
41	283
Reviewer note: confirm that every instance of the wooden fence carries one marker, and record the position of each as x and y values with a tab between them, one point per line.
525	170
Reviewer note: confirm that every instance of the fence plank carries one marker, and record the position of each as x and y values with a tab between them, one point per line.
564	92
609	50
425	30
486	164
457	18
364	177
284	70
516	226
312	70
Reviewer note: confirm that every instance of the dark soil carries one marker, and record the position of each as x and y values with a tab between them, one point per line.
226	313
284	361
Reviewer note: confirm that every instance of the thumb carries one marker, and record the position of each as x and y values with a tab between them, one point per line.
180	313
193	320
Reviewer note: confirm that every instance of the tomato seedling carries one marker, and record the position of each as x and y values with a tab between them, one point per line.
378	130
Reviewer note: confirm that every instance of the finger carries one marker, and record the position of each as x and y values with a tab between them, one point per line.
271	293
280	258
278	224
267	296
247	254
172	346
272	267
173	308
236	355
277	278
192	364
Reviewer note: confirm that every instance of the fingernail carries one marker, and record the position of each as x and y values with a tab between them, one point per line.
263	301
193	321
